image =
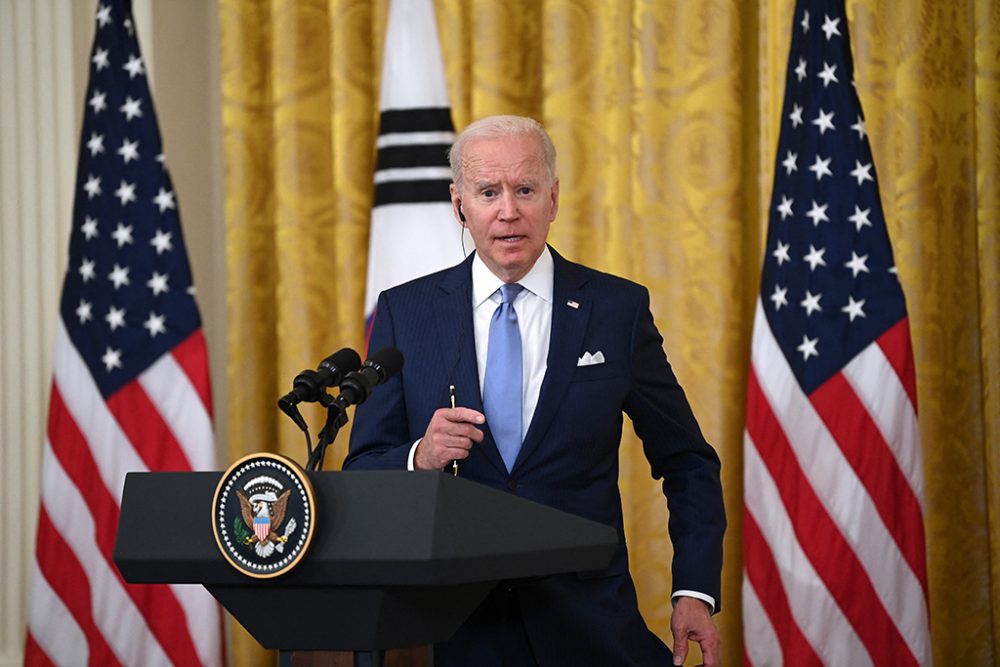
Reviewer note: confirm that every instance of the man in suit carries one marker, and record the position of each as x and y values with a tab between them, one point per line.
585	350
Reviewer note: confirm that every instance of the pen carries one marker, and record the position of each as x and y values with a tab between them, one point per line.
451	394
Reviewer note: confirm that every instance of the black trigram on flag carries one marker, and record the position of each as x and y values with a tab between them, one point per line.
413	230
412	156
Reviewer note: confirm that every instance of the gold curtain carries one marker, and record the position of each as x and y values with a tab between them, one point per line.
665	115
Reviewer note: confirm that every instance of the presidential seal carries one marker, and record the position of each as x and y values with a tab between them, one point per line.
263	515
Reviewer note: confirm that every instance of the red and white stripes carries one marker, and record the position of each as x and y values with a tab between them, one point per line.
82	612
835	569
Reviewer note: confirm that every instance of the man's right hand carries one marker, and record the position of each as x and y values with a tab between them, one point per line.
449	437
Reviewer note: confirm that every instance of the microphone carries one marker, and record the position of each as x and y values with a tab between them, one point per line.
309	385
357	386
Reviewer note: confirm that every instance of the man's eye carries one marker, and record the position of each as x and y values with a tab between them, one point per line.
525	190
489	193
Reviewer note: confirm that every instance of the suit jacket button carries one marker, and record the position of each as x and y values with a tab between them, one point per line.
512	484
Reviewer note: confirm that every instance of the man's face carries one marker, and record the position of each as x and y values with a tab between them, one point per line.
508	202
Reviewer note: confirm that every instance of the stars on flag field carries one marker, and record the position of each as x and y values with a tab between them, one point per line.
790	163
119	276
164	200
89	228
122	234
830	311
155	324
811	303
780	297
860	217
129	151
158	283
112	358
825	200
133	67
785	207
821	167
100	59
92	186
127	275
781	253
161	241
98	101
830	27
860	128
862	172
85	311
808	347
131	108
87	270
115	318
796	115
815	257
96	143
829	74
125	192
824	121
857	264
103	15
854	308
818	213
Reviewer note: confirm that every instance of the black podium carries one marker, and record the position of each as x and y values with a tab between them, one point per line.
398	559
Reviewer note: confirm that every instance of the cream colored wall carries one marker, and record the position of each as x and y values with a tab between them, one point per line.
185	52
44	58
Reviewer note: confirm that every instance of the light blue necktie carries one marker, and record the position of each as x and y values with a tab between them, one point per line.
502	385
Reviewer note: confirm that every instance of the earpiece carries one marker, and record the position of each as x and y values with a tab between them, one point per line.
461	215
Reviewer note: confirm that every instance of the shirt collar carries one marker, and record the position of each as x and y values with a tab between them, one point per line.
538	280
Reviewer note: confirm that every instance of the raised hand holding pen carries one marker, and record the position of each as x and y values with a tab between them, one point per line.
449	437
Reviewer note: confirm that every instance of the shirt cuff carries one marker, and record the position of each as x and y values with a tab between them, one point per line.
413	452
707	599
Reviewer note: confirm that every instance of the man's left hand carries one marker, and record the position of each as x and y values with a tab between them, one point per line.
691	621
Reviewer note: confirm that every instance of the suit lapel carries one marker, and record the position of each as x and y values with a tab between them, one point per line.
457	342
569	325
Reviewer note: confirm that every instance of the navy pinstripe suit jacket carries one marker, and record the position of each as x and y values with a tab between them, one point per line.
569	459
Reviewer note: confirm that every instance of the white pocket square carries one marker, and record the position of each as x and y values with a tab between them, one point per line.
589	359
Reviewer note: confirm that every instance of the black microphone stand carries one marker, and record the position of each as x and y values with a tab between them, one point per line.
336	418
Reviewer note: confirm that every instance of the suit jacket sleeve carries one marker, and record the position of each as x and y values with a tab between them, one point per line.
679	455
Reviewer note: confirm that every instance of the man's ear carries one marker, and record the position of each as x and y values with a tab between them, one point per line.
456	204
555	200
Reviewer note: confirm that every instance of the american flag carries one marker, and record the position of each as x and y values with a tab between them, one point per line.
413	231
835	569
130	389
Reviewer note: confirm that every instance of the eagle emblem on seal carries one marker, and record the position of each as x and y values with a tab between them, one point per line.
264	513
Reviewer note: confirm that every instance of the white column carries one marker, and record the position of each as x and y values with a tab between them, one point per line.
38	136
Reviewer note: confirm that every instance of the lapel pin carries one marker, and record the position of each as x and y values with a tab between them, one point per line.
572	304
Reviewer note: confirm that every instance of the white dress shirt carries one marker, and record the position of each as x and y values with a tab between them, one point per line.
533	306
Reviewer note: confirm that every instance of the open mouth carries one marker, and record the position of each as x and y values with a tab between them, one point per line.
509	239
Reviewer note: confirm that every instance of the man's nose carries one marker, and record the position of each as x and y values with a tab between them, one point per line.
508	206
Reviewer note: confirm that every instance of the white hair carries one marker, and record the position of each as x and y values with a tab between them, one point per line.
499	127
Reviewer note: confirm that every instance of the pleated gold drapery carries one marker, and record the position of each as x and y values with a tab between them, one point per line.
665	115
